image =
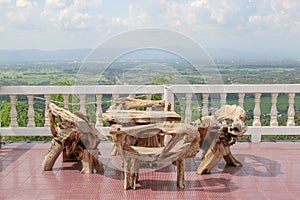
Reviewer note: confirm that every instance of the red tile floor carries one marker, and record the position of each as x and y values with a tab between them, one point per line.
269	171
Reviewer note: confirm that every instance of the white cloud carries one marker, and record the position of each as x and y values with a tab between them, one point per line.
1	29
53	4
178	14
219	22
22	15
201	12
70	18
287	4
296	28
4	2
23	3
275	14
17	17
71	15
273	19
137	16
198	4
87	3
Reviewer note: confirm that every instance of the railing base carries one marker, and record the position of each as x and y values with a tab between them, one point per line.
254	132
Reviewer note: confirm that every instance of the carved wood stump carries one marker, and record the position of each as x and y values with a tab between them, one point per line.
76	137
218	136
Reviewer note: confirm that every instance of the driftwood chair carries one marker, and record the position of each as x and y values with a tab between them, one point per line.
139	137
76	137
218	133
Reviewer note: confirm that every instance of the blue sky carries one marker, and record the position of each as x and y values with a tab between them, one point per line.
249	25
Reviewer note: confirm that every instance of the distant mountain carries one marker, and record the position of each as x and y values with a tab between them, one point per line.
36	55
219	54
240	55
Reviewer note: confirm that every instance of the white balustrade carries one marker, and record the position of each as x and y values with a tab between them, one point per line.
99	110
132	96
291	110
168	95
241	99
168	92
148	97
223	99
13	111
66	101
114	97
256	112
30	111
47	101
205	102
82	101
188	109
273	121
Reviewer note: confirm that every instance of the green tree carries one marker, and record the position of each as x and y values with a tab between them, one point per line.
162	79
5	114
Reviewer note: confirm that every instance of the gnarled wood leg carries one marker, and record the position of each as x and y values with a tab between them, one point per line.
131	170
180	173
230	160
214	155
53	153
211	158
90	162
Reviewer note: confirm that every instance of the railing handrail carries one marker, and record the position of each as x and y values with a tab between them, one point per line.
81	89
149	89
247	88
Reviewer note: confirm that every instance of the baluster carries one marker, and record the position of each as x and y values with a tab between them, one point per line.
241	99
273	121
82	101
30	114
291	110
205	104
115	97
148	97
132	96
188	110
66	101
13	111
169	95
256	120
223	99
99	111
47	120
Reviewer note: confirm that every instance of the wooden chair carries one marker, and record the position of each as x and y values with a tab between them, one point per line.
76	137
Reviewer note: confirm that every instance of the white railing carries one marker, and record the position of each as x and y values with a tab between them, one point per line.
169	92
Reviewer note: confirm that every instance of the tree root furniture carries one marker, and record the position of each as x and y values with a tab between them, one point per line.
76	137
218	133
140	129
139	137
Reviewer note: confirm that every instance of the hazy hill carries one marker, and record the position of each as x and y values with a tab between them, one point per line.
35	55
223	54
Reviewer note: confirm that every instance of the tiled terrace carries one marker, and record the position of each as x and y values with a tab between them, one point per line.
271	170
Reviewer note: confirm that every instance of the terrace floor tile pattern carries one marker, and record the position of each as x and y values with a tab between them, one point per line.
271	170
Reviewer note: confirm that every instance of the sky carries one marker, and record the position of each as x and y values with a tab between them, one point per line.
248	25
